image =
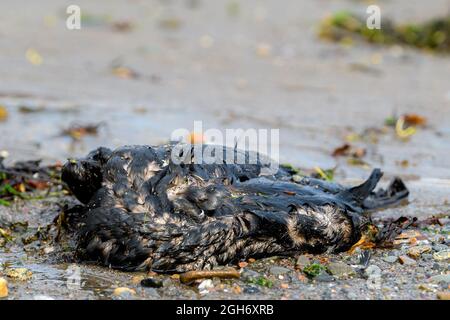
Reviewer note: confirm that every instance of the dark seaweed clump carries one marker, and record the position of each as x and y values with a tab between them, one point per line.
433	35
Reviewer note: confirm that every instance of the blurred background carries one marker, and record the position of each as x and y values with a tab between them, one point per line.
139	69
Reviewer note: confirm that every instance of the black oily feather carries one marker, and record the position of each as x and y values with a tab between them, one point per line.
142	210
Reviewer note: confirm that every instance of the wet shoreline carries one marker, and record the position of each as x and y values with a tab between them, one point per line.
259	64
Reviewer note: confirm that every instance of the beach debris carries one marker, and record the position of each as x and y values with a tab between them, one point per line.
403	163
342	150
413	119
261	281
27	109
344	27
3	288
388	236
123	291
313	270
5	234
390	121
324	174
170	23
367	241
205	286
402	131
34	57
424	287
236	289
124	72
190	276
433	220
368	135
26	176
3	113
263	50
408	237
444	295
78	131
354	154
385	237
291	169
409	120
348	150
137	279
122	26
20	274
175	276
416	252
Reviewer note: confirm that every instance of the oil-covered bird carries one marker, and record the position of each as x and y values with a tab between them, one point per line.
143	211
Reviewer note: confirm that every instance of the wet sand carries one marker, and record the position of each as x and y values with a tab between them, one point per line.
258	64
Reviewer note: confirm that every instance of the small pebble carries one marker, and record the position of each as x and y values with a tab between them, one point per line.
151	283
123	291
436	266
284	286
406	260
249	275
302	261
424	287
340	269
279	270
352	295
440	247
263	50
390	259
416	252
21	274
440	278
324	277
373	271
205	285
427	256
48	250
3	288
442	255
251	290
137	279
443	295
42	297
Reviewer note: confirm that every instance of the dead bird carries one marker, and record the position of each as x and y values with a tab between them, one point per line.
141	210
